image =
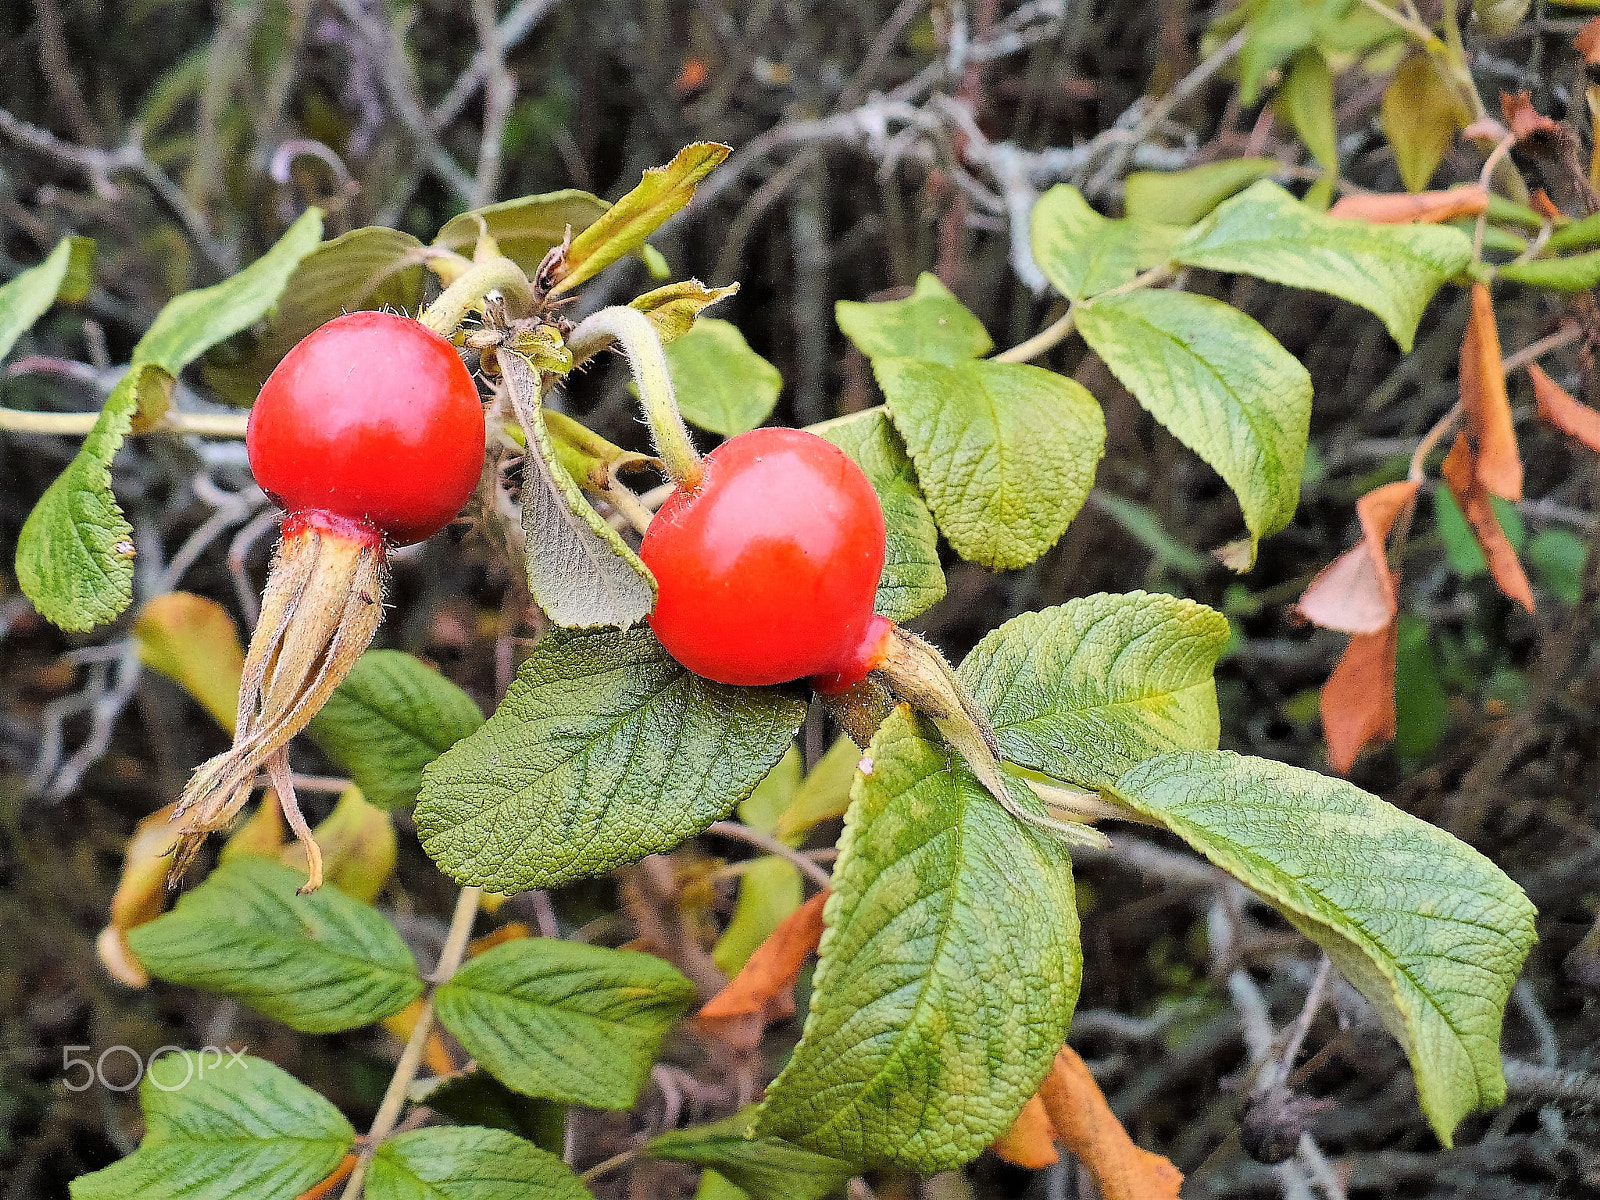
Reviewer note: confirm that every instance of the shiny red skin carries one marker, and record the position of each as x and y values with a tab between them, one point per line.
372	418
768	569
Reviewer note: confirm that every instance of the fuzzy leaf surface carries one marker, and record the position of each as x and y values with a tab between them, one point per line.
64	275
722	384
1083	253
466	1162
930	324
767	1168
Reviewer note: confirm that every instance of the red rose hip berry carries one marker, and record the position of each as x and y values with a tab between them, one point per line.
372	418
768	568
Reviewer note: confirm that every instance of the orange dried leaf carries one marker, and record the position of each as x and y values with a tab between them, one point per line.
1031	1140
692	78
1358	699
1466	484
1084	1121
1356	592
1560	408
327	1187
1587	43
141	894
1525	120
1402	209
435	1053
1488	408
510	932
1545	206
772	970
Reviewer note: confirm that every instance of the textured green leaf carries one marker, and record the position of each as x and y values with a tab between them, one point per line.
604	751
1084	690
392	716
930	324
1431	931
1390	270
1279	29
1306	101
580	571
64	275
949	968
468	1163
1083	253
1183	197
1576	273
673	309
722	384
526	228
318	963
768	1168
221	1128
75	553
623	227
569	1022
912	581
1005	452
1220	383
475	1097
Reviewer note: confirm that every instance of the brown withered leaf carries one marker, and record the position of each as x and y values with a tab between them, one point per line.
330	1185
1085	1123
1466	485
1544	206
1399	208
1356	592
1560	408
141	894
1031	1140
1525	120
770	972
1358	699
1587	43
1497	463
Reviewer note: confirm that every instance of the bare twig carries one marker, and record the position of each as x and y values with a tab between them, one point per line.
765	841
500	90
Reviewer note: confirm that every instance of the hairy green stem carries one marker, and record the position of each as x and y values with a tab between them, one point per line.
1047	338
78	424
501	275
632	330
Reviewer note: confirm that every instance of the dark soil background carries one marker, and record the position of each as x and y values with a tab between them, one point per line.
185	136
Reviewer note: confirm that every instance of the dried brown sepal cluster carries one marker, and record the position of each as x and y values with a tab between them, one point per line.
322	605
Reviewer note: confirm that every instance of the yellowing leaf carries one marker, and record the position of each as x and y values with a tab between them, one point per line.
1083	1120
673	309
359	847
141	894
193	642
1421	113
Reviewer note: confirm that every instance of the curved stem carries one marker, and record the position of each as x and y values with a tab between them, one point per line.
632	330
1047	338
394	1097
501	275
78	424
765	841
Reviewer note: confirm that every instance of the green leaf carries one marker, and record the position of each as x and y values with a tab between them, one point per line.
392	716
1220	383
1431	931
1139	522
1420	116
526	228
65	275
824	794
604	751
716	1187
768	1168
468	1163
569	1022
1390	270
1306	101
930	324
366	268
1422	710
580	571
1084	690
673	309
475	1097
722	384
1577	273
221	1129
1578	235
1005	452
1083	253
623	227
74	556
1184	197
319	963
769	890
949	968
1558	557
912	581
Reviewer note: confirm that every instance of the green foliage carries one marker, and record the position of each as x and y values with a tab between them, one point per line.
1461	544
562	1020
318	963
75	553
1083	253
722	384
527	228
913	580
1183	197
924	1038
1576	273
65	275
1306	101
1558	558
1085	690
1220	383
1390	270
475	1097
604	750
767	1168
467	1163
1277	30
1431	931
930	324
1005	452
673	309
1421	113
392	716
1422	710
217	1130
